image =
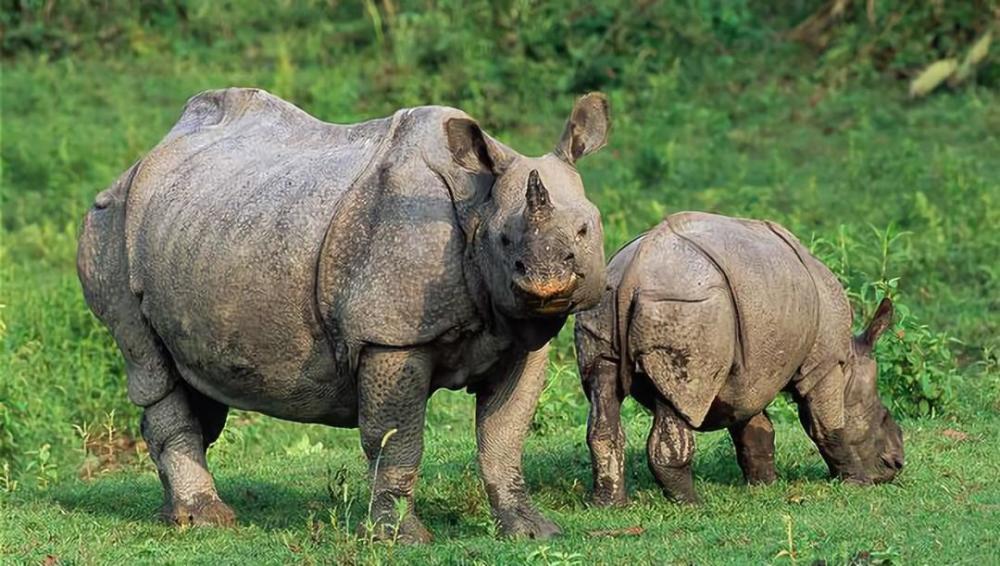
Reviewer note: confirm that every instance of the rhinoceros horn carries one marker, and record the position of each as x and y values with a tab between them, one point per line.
539	205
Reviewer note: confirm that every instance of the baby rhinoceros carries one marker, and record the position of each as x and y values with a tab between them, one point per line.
704	321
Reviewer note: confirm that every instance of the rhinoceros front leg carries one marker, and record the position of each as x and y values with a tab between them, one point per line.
670	449
605	435
754	442
393	386
821	413
504	410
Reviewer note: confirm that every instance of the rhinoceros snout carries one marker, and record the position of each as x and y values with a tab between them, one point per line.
548	295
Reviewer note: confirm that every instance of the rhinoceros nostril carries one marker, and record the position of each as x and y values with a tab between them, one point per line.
569	258
892	461
519	267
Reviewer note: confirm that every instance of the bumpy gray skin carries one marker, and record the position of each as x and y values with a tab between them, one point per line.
704	321
259	258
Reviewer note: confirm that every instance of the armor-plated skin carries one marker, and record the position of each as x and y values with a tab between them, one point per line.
704	321
262	259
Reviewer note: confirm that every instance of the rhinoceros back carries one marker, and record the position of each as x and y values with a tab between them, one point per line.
756	320
225	219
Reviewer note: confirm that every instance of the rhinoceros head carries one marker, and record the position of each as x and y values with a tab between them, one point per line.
869	428
538	242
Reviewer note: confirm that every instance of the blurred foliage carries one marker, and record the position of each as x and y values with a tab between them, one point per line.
578	45
895	37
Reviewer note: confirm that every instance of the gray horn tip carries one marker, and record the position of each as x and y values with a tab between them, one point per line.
537	195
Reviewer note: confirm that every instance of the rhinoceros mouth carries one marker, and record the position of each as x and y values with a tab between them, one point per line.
551	307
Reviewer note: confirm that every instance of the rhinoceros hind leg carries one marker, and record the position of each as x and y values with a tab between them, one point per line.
754	442
176	429
670	449
177	438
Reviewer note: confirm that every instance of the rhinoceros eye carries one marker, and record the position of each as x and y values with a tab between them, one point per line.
504	240
581	233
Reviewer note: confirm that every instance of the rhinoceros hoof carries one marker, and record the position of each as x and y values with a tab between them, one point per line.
606	499
410	530
526	522
684	497
861	480
762	478
203	512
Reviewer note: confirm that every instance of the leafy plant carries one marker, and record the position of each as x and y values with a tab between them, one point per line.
917	369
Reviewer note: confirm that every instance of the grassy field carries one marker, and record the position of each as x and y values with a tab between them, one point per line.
899	196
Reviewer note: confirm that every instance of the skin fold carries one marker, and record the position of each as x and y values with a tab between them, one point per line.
705	319
259	258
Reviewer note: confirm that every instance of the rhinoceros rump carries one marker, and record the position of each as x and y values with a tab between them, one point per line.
262	259
705	320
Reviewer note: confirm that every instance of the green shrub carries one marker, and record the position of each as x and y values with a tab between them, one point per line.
917	369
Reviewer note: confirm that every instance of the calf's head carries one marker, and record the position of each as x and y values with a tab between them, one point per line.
538	242
869	428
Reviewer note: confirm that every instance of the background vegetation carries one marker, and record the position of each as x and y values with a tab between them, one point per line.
795	111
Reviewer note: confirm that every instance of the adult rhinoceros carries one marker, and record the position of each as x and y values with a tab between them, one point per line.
262	259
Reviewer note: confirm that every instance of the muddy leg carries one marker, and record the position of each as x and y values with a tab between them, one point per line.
177	442
754	442
605	435
393	386
670	449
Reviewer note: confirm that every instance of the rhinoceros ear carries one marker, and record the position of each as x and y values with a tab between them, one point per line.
587	128
471	148
881	320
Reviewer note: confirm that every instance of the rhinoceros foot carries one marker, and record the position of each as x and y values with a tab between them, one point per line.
857	479
410	530
761	476
526	522
203	512
608	498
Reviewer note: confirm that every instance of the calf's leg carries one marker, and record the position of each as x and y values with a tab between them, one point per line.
754	442
605	435
670	449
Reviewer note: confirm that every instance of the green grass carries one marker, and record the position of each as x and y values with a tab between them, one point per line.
895	195
279	477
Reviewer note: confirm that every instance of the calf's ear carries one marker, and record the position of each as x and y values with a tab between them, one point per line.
472	149
881	320
587	128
